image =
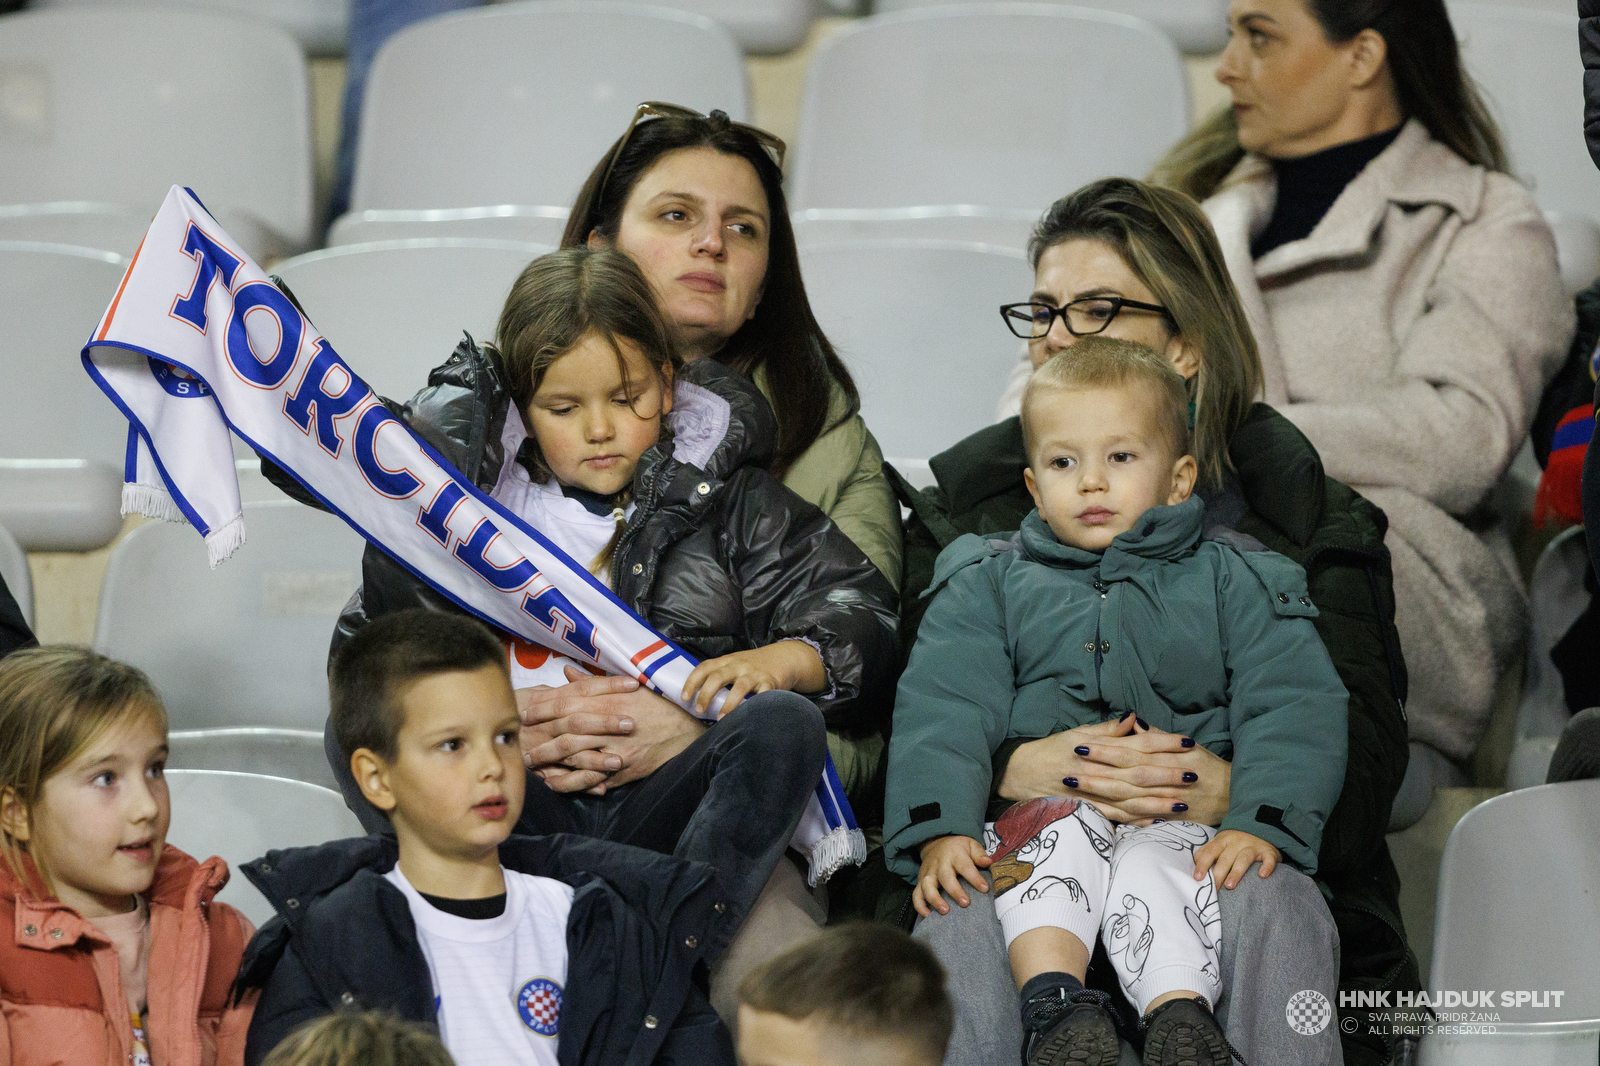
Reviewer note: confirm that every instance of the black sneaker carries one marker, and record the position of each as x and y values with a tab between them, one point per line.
1075	1031
1182	1032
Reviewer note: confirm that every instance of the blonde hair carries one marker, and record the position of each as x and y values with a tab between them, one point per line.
1168	243
369	1038
1104	362
56	701
559	299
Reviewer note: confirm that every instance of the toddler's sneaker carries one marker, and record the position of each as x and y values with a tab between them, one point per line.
1182	1032
1074	1031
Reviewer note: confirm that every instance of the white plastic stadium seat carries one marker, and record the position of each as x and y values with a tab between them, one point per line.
1577	248
1517	912
1527	65
1556	597
245	644
115	105
514	103
296	754
14	568
1000	227
1198	26
505	222
396	309
918	324
997	105
762	27
321	26
62	442
241	817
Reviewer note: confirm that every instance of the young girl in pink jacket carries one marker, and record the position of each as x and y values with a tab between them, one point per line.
111	949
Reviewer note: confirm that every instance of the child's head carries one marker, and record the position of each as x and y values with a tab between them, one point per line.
369	1038
590	362
1106	428
859	993
83	749
422	709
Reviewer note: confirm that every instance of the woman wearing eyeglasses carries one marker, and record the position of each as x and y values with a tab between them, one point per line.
1141	263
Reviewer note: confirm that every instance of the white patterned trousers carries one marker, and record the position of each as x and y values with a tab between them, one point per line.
1062	864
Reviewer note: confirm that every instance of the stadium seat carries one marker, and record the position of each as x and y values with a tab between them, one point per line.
918	324
320	26
998	106
1517	912
241	817
762	27
513	104
1577	248
1198	26
296	754
506	222
62	443
1527	65
396	309
964	223
1556	597
106	108
245	644
14	568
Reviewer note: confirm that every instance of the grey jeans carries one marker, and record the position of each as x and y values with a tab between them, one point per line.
1277	939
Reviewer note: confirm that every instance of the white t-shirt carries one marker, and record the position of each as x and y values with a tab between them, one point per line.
498	982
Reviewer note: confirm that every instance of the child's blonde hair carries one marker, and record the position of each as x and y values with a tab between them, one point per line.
55	701
559	299
1102	362
369	1038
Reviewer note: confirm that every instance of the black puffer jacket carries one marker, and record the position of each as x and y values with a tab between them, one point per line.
718	556
1589	47
343	937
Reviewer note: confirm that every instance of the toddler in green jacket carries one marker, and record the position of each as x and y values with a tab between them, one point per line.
1108	603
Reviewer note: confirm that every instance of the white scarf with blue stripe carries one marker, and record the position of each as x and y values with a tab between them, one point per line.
198	342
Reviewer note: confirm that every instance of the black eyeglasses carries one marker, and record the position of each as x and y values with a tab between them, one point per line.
1084	318
773	146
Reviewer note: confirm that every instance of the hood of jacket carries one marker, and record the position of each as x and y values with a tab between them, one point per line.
1161	534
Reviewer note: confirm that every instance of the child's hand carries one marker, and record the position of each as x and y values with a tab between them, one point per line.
1230	853
792	665
945	860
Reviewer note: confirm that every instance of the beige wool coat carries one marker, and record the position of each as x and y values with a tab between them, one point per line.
1409	337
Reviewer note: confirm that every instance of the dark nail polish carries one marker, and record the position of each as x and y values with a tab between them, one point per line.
1082	749
1070	782
1190	777
1142	723
1188	742
1179	808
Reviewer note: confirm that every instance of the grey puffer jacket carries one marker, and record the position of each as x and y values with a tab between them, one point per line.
718	556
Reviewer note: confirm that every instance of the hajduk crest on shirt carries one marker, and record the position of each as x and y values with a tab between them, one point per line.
198	342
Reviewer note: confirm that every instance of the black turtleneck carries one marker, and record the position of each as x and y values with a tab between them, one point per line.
1309	185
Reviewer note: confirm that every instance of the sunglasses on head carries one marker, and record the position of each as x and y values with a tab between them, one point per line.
773	146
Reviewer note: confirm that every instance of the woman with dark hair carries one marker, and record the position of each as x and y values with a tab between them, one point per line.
697	201
1140	263
1404	293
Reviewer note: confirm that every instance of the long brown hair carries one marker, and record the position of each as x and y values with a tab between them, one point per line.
556	301
1168	243
55	701
1430	83
783	339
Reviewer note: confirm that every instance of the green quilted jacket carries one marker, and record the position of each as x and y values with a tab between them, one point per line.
1336	535
1027	637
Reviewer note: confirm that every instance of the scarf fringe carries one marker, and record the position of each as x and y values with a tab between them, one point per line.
150	501
223	542
833	852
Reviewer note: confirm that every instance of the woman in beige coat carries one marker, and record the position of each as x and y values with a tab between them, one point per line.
1405	296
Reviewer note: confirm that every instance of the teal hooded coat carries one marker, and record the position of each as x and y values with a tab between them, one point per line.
1027	636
